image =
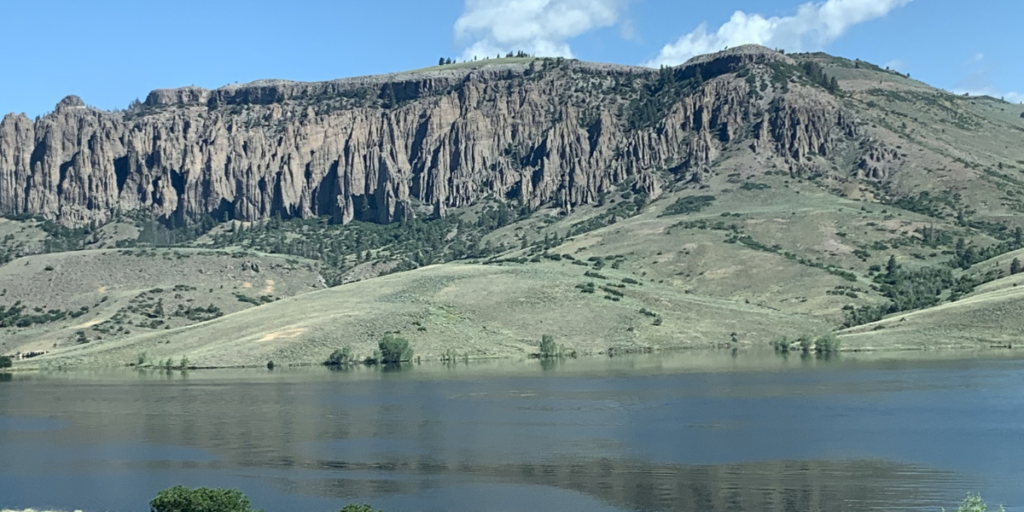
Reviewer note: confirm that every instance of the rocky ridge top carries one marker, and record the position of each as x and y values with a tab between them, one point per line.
384	148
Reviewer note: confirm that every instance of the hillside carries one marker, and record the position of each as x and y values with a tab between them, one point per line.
738	198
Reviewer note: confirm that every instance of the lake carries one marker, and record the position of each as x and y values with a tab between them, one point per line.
703	431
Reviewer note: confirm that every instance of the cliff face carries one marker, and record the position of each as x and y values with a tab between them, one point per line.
383	148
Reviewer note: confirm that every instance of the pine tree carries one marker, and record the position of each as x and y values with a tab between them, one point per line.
1015	266
892	266
440	62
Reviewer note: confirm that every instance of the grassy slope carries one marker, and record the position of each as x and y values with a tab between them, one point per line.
704	288
990	317
476	310
111	281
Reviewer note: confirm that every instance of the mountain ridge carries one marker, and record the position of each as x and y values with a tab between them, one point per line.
368	148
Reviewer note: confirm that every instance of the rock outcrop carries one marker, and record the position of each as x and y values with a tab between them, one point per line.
388	147
879	161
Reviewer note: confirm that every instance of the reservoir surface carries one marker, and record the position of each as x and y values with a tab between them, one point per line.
707	431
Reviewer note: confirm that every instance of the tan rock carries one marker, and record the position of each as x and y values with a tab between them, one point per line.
370	148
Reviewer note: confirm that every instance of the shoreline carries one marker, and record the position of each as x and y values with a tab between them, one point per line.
884	353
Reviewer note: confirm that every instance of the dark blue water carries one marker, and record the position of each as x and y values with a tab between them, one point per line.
631	434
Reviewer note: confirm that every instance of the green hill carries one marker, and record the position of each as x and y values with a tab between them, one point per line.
901	238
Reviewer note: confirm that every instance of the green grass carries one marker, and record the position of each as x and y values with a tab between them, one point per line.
457	305
985	319
103	295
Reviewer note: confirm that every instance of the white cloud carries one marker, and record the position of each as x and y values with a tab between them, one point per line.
813	26
977	81
540	27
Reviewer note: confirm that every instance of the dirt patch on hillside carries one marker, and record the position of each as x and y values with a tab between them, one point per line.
89	324
285	334
269	287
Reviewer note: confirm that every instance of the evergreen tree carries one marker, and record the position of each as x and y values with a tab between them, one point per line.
892	266
440	62
1015	267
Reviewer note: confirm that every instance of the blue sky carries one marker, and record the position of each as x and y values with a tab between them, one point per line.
110	52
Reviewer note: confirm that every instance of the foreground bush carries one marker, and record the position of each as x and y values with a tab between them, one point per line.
182	499
5	362
974	503
358	508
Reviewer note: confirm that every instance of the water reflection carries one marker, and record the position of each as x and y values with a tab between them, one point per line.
638	435
632	485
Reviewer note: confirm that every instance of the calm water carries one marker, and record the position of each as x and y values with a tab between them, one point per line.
686	432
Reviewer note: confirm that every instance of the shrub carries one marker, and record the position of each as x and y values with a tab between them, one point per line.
612	291
5	362
781	345
827	344
394	349
806	342
692	204
182	499
339	357
358	508
548	348
973	503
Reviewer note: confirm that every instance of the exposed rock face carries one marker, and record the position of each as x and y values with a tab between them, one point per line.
383	148
879	162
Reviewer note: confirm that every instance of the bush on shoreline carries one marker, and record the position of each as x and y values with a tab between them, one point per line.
341	357
394	349
548	348
825	345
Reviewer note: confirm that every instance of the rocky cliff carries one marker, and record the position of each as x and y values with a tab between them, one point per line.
384	148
